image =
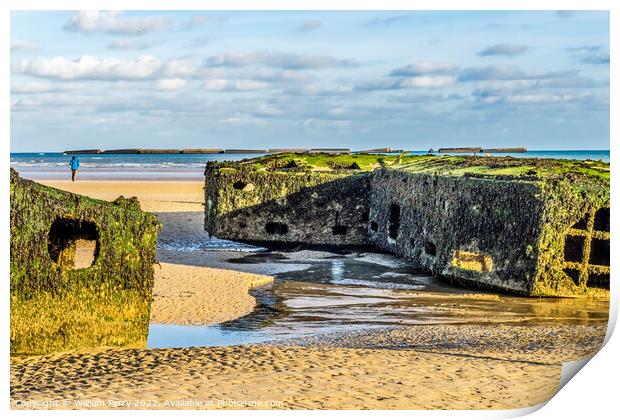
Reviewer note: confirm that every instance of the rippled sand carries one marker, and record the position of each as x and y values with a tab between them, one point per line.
440	367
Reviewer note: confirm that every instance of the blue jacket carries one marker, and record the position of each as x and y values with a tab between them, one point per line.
74	163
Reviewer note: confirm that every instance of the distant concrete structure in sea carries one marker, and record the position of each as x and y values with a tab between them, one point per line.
506	150
481	150
202	151
332	151
460	150
245	151
82	152
285	150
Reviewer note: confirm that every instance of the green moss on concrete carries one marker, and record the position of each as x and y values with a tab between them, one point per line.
526	168
55	307
561	192
317	162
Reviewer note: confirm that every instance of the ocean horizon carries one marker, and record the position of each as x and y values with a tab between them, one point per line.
54	165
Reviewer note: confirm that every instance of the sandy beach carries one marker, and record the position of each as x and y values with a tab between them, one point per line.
445	367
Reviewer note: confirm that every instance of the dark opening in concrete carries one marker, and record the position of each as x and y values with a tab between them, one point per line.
365	216
73	243
573	248
275	228
573	274
598	280
374	226
582	224
601	220
339	230
430	248
243	186
394	221
599	252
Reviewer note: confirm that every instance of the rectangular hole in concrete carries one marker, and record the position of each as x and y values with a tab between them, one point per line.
599	252
275	228
339	230
472	261
394	221
598	280
573	248
374	226
601	220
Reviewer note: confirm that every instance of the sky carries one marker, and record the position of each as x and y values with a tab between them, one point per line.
410	80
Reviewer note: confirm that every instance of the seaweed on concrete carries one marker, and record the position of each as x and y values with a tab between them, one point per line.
537	227
81	270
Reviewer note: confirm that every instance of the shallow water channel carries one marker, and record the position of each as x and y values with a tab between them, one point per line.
328	293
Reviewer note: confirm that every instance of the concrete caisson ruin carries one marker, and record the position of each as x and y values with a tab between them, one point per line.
81	270
535	227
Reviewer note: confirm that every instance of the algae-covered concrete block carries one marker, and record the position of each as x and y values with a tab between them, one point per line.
286	206
536	227
81	270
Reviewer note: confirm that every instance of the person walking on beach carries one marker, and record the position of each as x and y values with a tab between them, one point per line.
74	164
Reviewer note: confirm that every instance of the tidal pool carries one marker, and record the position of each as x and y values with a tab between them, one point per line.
356	291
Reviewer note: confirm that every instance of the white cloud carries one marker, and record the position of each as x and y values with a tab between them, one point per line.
114	22
179	67
89	67
542	98
240	119
428	82
170	84
416	82
277	60
128	44
226	85
424	68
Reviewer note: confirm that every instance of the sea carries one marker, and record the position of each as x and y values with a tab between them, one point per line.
175	167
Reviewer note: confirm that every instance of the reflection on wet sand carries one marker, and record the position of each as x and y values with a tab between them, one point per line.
343	293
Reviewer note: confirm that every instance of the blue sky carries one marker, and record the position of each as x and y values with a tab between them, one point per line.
410	80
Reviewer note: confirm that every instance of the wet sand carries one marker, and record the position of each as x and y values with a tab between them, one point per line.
292	377
445	367
186	295
442	367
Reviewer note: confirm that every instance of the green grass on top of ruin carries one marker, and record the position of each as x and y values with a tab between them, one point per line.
447	165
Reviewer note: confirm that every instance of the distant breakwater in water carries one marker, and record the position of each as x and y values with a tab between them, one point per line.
186	166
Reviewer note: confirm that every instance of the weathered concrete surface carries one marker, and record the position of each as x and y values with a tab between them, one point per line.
439	215
265	207
529	226
81	270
